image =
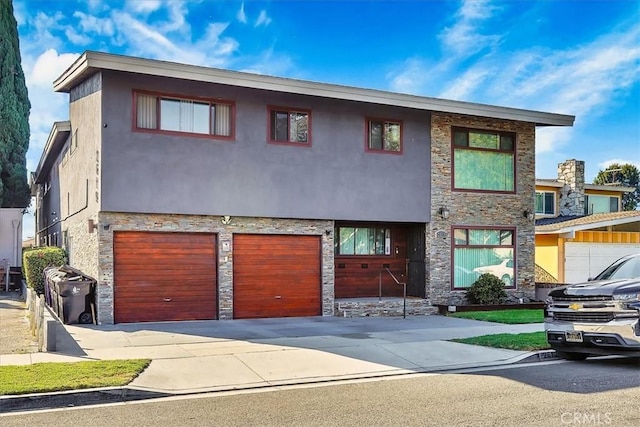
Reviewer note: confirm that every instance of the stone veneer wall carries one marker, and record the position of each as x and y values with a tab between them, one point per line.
209	224
571	173
478	209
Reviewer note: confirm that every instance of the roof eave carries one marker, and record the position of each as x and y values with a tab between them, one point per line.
582	227
91	62
57	136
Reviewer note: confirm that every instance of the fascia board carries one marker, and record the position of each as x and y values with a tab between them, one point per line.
59	131
582	227
91	62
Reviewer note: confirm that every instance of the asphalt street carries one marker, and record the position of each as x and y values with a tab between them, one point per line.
601	391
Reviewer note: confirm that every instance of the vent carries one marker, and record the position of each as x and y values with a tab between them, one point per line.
592	317
583	298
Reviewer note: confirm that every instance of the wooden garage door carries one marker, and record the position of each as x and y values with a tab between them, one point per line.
276	276
162	276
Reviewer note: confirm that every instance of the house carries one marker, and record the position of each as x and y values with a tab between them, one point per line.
580	227
199	193
10	246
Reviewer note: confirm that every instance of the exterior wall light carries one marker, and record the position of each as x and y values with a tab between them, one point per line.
529	215
443	212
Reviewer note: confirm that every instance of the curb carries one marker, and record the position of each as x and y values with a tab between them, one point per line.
73	398
540	356
77	398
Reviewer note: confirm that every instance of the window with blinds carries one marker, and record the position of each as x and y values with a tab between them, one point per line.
195	116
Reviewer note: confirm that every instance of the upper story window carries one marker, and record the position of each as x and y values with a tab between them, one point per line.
363	241
384	135
594	204
167	113
545	202
483	160
290	125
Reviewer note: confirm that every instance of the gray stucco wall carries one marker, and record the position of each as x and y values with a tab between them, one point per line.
333	179
80	177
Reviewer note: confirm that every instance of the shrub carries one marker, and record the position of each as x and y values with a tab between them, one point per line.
488	289
36	260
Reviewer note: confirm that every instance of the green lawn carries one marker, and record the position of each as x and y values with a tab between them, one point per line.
45	377
504	316
525	342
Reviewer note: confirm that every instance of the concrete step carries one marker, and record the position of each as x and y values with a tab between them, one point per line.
385	307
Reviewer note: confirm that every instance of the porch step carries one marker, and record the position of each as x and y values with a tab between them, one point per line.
387	307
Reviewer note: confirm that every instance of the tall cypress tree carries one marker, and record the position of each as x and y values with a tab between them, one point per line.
14	115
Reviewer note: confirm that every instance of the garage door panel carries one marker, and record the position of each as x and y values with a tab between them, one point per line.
276	276
585	260
164	276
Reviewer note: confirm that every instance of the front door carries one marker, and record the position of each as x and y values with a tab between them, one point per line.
415	260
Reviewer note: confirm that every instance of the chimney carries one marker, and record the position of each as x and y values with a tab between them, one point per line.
571	173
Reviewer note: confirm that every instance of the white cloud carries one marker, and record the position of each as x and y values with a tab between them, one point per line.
605	164
464	38
77	38
467	83
411	78
242	17
143	6
47	106
550	139
94	25
263	19
145	40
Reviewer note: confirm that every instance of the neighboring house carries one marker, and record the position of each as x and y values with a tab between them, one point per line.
10	244
580	228
199	193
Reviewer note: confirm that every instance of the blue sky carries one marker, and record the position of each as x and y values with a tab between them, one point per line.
572	57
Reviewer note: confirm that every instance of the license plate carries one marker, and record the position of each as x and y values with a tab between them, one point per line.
573	336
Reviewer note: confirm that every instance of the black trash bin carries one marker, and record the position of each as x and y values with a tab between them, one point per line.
75	301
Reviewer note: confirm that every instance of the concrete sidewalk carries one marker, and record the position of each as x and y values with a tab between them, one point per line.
200	356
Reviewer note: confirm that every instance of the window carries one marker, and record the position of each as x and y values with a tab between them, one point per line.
384	135
363	241
545	202
600	204
483	160
477	251
174	114
289	126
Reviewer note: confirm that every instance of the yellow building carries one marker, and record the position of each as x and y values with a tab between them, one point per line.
580	228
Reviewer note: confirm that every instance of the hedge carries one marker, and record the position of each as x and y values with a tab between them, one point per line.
36	260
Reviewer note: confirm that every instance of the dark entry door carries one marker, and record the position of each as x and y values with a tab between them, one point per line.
415	260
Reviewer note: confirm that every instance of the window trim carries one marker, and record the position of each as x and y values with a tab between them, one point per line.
514	245
288	110
514	152
588	211
384	227
367	135
544	193
175	96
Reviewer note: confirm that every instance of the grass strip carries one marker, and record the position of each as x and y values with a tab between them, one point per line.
531	341
47	377
512	317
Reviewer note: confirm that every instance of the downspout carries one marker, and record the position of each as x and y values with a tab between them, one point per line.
16	223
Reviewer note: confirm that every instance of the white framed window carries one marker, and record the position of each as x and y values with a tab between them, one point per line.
545	203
